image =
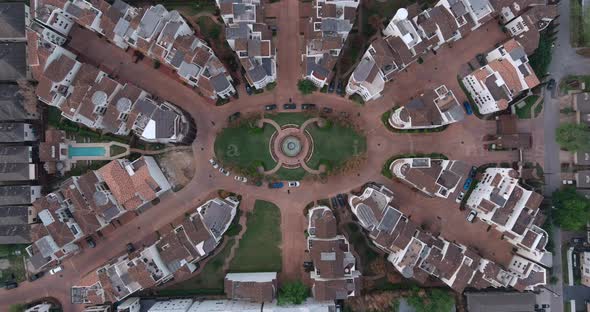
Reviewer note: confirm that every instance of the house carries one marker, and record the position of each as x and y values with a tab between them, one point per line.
581	104
253	287
418	254
325	33
506	75
508	136
335	276
500	301
193	239
134	184
15	132
251	39
15	224
13	21
19	194
16	163
511	209
431	109
433	177
582	179
585	268
17	104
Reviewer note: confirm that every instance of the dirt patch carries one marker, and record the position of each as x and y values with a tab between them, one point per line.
378	301
179	167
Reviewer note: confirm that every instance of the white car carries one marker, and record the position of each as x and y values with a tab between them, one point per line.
460	197
213	163
294	183
224	172
241	179
55	270
471	216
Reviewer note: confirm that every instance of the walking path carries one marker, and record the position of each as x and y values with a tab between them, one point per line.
162	151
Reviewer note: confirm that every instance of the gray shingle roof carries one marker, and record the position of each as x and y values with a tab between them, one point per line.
13	61
12	20
15	195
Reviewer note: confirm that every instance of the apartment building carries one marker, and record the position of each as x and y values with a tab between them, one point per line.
418	254
334	276
431	109
251	39
505	76
325	33
177	252
512	210
433	177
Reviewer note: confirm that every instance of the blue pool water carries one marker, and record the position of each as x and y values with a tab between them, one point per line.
86	151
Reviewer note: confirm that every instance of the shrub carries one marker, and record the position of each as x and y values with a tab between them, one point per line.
306	87
293	293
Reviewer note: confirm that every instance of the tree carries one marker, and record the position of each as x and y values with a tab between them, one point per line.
573	210
306	87
572	136
435	300
16	308
293	293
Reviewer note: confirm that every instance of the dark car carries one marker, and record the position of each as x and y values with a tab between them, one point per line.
467	107
130	248
339	88
249	90
331	86
35	277
90	241
276	185
545	306
290	106
11	285
308	106
341	200
577	240
473	172
270	107
327	110
234	116
551	84
334	202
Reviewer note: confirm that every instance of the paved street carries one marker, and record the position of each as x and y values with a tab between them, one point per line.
461	141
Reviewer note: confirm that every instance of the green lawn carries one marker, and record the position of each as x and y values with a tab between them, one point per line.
16	268
524	112
335	144
258	250
571	83
580	24
245	146
291	174
208	282
116	150
289	118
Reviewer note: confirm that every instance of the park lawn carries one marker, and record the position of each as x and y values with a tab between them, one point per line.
16	265
291	174
208	282
525	111
289	118
334	145
245	146
258	250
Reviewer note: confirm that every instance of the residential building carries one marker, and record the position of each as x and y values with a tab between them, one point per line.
431	109
500	301
13	132
418	254
16	163
41	307
581	105
585	268
17	104
508	136
511	209
251	39
335	276
506	75
15	224
13	21
325	33
433	177
176	252
19	194
582	179
252	287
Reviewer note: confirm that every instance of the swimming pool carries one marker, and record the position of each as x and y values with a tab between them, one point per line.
90	151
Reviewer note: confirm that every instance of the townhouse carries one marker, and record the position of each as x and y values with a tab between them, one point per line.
334	276
177	252
251	39
505	76
252	287
325	33
85	204
156	32
431	109
418	254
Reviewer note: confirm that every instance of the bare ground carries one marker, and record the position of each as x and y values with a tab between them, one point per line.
178	166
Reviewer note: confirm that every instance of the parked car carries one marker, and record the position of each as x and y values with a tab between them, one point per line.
224	172
339	88
331	86
234	116
460	197
270	107
473	172
130	248
551	84
467	107
545	306
213	163
249	90
90	241
56	270
290	106
37	276
241	179
276	185
577	240
294	184
467	184
327	110
11	285
307	106
341	200
471	216
334	202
